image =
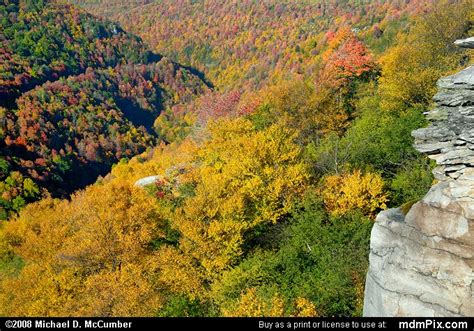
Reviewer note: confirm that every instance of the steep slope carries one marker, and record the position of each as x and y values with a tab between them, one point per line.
260	206
249	43
42	41
78	94
421	263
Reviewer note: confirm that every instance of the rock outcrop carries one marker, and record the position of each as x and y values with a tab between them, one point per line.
465	43
143	182
421	263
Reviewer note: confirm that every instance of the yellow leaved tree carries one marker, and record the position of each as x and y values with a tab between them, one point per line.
411	68
251	304
243	179
86	257
355	190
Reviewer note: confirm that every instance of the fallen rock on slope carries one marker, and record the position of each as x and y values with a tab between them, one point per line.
465	43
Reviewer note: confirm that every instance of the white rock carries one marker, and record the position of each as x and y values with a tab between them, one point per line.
147	181
465	43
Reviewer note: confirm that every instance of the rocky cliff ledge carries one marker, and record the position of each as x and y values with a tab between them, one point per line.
421	263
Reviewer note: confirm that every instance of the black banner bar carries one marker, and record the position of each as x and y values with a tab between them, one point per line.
323	323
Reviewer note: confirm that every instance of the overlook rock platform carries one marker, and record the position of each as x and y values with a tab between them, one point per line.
421	263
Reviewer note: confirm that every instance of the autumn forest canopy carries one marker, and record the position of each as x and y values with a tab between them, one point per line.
275	131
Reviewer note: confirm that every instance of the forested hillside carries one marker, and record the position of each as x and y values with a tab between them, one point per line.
78	94
248	43
265	187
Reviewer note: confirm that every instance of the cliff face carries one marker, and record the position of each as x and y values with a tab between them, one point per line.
421	263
